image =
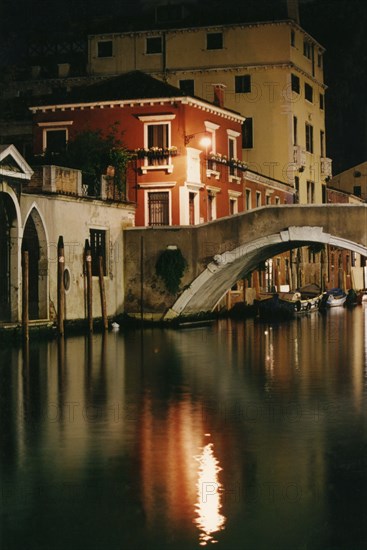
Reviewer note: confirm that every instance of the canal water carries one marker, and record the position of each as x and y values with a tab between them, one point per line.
240	434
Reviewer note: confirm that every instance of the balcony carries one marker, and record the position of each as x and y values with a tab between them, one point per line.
299	157
68	181
155	158
326	167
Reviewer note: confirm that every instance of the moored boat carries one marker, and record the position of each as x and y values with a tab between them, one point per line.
336	297
287	304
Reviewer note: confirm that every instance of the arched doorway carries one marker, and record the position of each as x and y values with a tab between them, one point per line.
7	216
34	241
8	255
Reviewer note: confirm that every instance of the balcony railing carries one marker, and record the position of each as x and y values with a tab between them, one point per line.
68	181
326	167
155	158
155	153
233	164
221	167
299	157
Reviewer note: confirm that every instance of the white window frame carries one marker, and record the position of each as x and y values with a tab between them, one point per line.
146	203
154	120
54	127
196	205
258	199
232	137
233	196
211	128
184	194
213	191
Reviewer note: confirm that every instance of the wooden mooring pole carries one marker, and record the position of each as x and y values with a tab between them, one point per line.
88	269
103	293
141	280
60	286
25	294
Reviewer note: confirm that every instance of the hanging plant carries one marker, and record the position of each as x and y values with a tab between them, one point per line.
170	267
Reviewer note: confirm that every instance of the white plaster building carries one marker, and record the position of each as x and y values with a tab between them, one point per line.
37	208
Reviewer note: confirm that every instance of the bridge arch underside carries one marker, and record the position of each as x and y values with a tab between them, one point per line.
208	288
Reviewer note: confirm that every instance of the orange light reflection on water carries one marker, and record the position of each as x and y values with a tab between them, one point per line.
209	494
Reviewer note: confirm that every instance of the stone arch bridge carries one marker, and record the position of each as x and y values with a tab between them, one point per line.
221	252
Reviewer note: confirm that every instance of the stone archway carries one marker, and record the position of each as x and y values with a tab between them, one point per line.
8	256
206	290
34	241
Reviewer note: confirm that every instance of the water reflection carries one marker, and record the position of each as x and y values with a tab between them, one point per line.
208	506
114	431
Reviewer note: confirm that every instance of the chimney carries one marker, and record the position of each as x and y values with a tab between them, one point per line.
293	10
219	94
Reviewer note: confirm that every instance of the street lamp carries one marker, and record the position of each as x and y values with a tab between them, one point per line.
205	141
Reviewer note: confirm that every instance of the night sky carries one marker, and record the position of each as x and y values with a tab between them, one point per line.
339	25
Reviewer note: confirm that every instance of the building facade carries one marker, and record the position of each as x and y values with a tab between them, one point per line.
353	180
36	208
185	166
271	73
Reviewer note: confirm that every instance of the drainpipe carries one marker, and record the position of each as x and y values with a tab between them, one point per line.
164	57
